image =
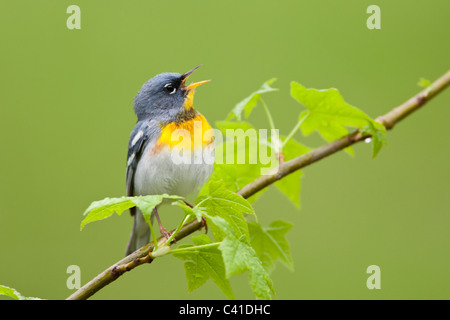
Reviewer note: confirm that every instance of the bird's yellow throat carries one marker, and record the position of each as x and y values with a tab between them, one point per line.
186	135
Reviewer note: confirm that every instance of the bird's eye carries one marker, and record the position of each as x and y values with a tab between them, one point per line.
170	88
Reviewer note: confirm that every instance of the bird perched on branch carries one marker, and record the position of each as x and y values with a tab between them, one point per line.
170	150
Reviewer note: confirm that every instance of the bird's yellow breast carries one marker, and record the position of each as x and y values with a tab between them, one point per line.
187	135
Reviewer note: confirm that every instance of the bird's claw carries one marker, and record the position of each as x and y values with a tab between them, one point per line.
166	234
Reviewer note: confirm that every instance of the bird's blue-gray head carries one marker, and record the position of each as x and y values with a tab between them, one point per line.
165	95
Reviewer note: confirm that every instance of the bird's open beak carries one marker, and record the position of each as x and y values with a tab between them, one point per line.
196	84
192	86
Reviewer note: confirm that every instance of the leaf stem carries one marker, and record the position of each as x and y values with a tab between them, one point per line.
193	248
153	233
293	131
206	199
186	218
269	116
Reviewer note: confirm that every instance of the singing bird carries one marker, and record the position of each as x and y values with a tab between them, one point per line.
166	131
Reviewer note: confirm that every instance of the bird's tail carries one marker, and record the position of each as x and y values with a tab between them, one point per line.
140	235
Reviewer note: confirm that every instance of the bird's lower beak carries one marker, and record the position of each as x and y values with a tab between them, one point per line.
192	86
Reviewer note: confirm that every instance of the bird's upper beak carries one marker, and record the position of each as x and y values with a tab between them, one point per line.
194	85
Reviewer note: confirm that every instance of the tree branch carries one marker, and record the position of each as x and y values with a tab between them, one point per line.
143	255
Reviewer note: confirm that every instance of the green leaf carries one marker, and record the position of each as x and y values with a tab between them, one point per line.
235	177
218	195
99	210
293	149
239	256
197	212
10	292
224	215
291	184
13	293
327	110
228	175
242	157
221	202
147	203
204	263
378	134
250	102
103	209
424	83
234	125
270	243
328	113
240	146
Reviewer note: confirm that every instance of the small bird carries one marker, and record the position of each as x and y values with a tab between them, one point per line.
165	113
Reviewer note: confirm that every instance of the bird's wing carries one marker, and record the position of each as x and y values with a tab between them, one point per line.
139	138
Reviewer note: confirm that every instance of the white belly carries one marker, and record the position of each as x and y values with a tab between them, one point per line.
164	172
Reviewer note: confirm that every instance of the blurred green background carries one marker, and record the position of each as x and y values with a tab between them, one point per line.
66	114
